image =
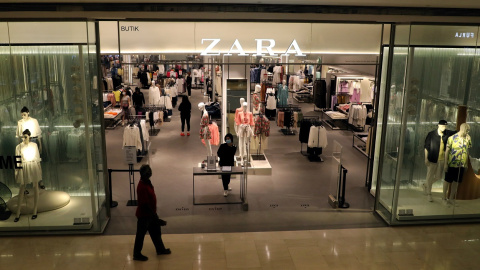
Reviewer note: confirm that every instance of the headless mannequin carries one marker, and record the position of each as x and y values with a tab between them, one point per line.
204	126
433	173
237	111
463	134
25	143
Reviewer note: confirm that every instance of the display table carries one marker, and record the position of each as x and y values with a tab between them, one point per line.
198	171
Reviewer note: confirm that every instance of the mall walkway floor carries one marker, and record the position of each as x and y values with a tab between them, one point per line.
440	247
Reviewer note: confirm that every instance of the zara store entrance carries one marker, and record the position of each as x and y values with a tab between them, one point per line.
310	89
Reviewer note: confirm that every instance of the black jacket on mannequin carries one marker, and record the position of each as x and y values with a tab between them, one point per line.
432	143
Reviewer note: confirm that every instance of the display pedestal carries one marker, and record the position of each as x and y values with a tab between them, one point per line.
48	200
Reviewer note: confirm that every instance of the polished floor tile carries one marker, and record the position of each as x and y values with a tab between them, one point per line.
448	247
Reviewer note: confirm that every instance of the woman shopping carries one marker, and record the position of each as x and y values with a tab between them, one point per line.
185	109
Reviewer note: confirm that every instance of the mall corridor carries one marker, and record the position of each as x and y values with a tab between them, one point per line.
442	247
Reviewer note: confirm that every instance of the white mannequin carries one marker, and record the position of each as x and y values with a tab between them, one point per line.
237	111
30	173
245	132
463	134
204	125
256	98
433	172
154	94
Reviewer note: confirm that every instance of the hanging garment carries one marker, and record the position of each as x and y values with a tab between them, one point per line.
244	131
166	101
31	171
271	102
131	137
143	126
204	130
356	95
262	126
277	71
280	119
154	96
244	118
255	102
317	137
31	124
215	134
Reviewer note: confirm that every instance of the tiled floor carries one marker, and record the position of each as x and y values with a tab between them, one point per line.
398	248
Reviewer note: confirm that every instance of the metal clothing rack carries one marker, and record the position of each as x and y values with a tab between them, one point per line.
293	108
153	131
316	122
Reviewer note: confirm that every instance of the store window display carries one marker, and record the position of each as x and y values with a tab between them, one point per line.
435	145
456	160
237	111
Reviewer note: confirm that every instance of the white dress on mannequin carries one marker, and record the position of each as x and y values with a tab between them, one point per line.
31	171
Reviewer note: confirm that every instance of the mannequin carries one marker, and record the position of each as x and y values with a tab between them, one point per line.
153	94
244	121
31	171
204	129
32	125
435	145
237	111
456	160
256	99
218	82
282	95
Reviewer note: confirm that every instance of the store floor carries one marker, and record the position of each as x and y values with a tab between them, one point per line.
294	197
444	247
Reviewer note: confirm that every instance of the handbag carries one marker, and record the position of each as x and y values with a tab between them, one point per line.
159	222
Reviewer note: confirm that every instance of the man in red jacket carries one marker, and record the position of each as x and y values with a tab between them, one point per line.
147	216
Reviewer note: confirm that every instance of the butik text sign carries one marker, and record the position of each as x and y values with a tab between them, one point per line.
262	46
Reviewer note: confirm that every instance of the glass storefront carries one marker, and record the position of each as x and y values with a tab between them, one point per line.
51	128
429	96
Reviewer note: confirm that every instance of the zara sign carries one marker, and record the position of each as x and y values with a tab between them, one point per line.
262	45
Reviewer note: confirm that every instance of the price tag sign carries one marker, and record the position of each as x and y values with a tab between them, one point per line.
130	154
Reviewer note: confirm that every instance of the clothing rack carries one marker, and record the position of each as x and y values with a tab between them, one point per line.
291	108
315	120
153	108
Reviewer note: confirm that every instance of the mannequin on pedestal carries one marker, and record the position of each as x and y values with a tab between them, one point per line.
31	171
435	145
237	111
456	160
244	121
204	129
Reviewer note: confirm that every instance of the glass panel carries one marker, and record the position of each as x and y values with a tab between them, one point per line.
50	94
393	126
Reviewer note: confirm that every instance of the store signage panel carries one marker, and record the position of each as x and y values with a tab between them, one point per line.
4	33
443	35
335	38
253	39
265	47
48	32
156	37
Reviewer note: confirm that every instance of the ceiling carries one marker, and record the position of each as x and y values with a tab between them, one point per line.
383	3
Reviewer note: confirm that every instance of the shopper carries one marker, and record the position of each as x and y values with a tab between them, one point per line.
138	98
147	218
125	102
185	109
226	153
